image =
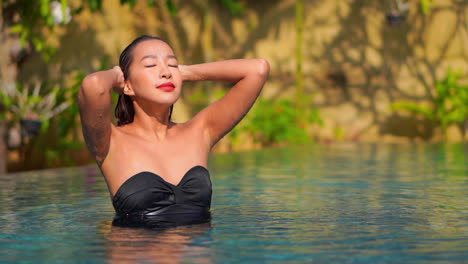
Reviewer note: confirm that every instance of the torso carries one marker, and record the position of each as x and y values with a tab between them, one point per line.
184	147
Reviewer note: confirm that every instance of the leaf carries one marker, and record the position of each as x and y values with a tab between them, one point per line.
78	10
151	3
276	121
236	8
38	44
37	89
57	110
426	6
17	28
24	38
132	3
7	101
44	8
64	4
95	5
50	20
414	108
171	7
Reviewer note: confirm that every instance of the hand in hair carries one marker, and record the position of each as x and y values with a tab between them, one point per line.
119	82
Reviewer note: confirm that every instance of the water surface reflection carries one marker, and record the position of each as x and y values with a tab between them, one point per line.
346	203
139	245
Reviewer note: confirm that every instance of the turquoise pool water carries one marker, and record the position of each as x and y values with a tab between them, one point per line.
343	203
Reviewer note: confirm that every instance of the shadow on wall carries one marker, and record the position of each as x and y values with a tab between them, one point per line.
77	50
371	65
409	127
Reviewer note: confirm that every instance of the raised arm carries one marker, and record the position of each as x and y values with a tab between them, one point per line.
94	100
248	76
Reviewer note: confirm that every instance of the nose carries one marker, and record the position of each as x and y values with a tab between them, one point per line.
165	73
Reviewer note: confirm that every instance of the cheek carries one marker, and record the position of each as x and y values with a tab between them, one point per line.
140	80
177	76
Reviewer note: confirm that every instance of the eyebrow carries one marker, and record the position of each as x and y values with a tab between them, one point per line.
170	56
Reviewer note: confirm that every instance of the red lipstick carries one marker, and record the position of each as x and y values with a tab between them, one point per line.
168	87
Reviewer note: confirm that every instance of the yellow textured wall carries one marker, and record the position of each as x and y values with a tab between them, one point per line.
355	64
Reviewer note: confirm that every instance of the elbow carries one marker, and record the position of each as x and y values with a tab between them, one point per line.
263	67
91	90
90	86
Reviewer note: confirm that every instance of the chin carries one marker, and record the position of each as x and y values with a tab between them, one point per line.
167	100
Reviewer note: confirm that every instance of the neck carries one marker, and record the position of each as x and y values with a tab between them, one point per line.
152	119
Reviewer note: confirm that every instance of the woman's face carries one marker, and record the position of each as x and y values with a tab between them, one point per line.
154	73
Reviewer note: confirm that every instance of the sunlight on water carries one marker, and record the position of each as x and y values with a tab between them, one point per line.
353	203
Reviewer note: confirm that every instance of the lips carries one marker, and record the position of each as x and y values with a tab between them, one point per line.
168	87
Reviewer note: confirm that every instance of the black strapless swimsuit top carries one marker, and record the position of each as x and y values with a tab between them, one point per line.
147	200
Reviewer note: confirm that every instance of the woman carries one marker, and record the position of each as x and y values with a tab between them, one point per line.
156	169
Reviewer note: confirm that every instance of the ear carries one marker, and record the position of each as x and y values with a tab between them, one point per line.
128	89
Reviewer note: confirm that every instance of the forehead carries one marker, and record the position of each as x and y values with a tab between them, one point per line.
152	47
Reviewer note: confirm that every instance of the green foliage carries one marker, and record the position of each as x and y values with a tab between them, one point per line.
68	120
205	95
171	7
151	3
280	121
236	8
61	152
449	106
169	4
198	100
25	103
269	122
426	6
64	130
339	133
131	3
94	5
30	18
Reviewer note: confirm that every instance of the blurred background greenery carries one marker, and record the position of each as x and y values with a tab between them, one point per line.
341	70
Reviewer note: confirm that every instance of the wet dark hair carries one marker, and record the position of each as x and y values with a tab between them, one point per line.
124	110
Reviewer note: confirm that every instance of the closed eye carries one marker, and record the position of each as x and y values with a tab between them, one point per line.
150	65
173	65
